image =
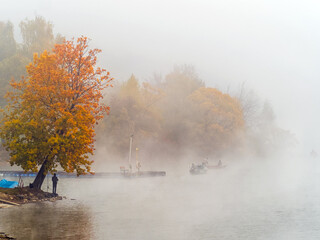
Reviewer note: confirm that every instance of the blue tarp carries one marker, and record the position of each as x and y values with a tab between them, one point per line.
8	184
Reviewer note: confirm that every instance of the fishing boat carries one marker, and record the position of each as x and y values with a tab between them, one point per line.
216	166
198	169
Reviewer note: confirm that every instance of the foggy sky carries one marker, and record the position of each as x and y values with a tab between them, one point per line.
273	46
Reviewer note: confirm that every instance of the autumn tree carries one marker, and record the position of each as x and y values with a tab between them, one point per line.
52	112
214	121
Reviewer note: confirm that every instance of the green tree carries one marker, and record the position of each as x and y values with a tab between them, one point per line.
11	68
8	45
37	35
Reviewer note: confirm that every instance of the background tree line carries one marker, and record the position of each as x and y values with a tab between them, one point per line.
170	117
37	36
177	116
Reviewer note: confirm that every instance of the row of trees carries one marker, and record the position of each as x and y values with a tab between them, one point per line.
52	112
175	116
171	117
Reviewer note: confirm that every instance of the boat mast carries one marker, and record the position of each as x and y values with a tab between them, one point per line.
130	151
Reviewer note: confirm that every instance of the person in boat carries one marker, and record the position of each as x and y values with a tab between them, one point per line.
205	162
202	166
54	182
138	166
193	166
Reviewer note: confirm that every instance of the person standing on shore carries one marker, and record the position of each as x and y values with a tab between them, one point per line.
54	182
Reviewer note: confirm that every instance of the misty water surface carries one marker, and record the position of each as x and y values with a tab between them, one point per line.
273	200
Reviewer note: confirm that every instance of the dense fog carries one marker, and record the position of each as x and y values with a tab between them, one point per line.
194	83
267	49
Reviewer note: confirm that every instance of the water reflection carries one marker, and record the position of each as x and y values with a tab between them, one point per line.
59	220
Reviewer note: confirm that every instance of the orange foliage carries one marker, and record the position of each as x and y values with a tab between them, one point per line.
53	113
216	119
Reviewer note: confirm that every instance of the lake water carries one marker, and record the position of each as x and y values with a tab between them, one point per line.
238	202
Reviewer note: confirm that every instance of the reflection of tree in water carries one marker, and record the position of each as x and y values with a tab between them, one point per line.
48	221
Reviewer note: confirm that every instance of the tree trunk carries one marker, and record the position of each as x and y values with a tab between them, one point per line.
37	183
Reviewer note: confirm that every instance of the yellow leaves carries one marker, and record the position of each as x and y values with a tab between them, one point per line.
216	119
210	99
56	108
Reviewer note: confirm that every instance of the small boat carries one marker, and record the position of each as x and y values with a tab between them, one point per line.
216	166
198	169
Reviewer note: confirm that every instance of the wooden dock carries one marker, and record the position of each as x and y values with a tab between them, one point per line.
4	174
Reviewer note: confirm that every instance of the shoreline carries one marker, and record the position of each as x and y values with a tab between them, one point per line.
5	236
18	196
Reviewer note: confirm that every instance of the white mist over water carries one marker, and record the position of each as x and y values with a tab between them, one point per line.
248	200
